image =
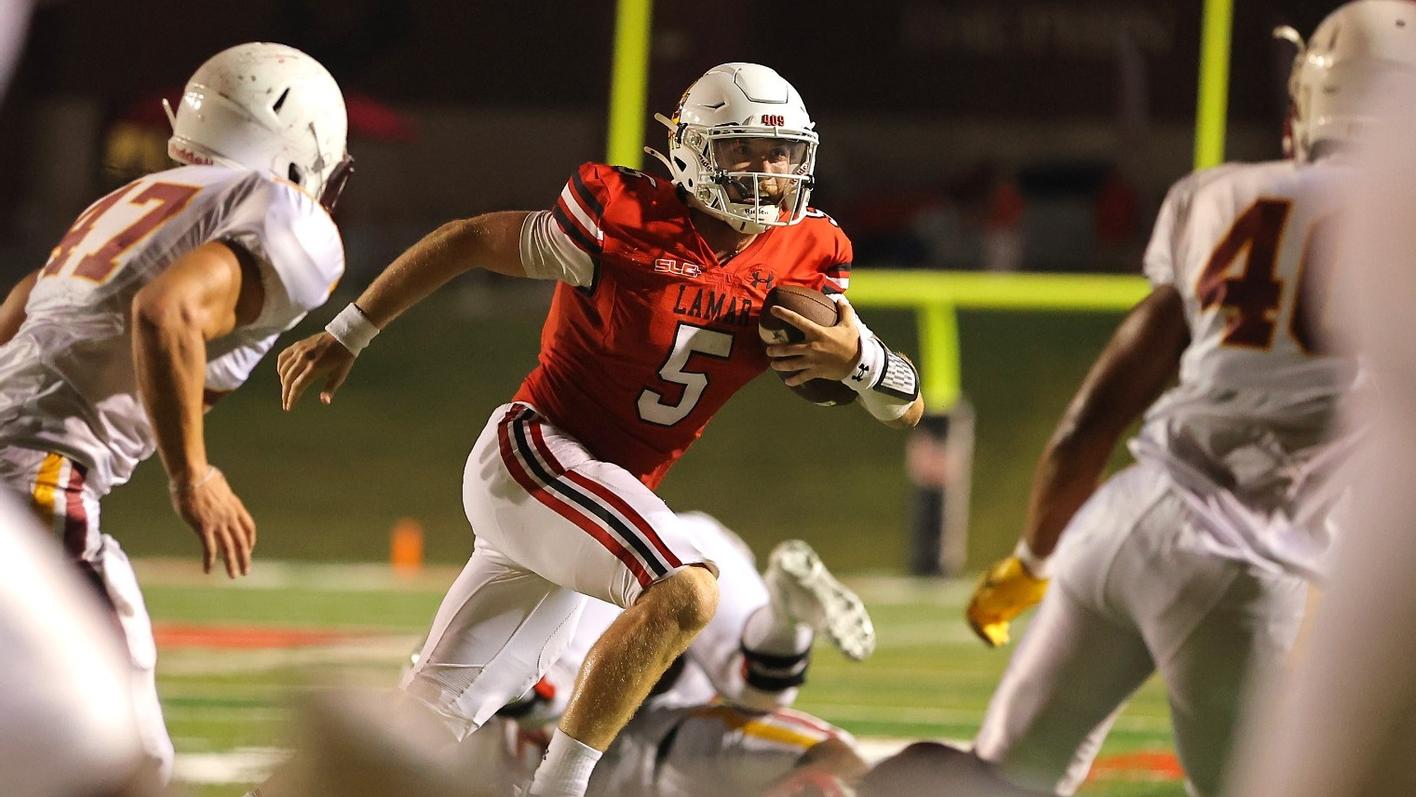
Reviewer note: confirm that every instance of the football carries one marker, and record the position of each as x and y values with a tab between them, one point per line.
817	307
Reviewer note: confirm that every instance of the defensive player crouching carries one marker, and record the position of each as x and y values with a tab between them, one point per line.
652	329
720	720
1192	561
163	295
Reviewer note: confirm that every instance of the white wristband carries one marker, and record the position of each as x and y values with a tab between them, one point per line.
1038	566
352	329
870	366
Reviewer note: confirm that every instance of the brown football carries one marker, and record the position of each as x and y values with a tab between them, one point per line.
818	308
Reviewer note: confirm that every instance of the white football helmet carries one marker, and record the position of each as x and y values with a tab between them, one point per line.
726	108
1356	48
265	107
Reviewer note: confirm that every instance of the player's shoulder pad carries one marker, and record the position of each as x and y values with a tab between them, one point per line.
828	238
612	182
293	234
1197	181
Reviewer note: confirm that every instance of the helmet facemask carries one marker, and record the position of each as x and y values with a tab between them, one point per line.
752	178
742	148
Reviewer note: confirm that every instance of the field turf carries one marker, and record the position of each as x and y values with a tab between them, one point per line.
234	656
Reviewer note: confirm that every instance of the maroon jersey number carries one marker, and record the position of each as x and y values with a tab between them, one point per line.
1251	298
101	263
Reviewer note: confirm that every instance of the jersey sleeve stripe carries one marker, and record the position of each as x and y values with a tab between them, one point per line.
573	231
577	211
512	457
587	196
838	277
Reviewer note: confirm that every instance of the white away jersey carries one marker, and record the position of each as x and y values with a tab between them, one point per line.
67	380
1248	428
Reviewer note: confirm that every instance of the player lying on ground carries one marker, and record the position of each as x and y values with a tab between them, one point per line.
162	296
719	721
652	329
1192	561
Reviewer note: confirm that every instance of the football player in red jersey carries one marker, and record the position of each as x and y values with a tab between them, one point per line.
652	329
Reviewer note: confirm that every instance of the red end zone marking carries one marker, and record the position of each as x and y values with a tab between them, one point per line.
1143	765
238	637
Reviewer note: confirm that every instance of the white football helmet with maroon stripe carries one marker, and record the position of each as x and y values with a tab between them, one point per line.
265	107
728	106
1358	48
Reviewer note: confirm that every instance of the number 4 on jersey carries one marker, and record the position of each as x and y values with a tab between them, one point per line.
100	264
1252	297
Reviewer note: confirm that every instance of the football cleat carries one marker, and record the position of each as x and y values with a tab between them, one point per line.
805	590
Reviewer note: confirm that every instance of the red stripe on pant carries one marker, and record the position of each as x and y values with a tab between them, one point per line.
546	497
605	494
75	515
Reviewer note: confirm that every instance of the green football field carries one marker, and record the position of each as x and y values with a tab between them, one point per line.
233	656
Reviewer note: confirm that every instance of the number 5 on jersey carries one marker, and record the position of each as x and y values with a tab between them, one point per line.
688	341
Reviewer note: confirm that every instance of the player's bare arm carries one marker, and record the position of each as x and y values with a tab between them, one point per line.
829	353
1141	358
12	311
491	241
1138	362
201	297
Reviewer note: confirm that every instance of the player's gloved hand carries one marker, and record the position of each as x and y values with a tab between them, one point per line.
827	353
219	518
1006	590
305	361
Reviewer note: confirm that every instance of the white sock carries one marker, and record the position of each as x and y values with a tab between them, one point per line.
770	630
565	771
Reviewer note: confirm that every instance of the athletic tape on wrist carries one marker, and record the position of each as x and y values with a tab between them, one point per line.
352	328
1037	566
192	486
871	364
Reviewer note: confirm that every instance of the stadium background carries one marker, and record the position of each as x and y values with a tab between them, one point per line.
958	134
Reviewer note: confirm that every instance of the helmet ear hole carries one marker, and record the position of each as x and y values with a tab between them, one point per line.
293	173
280	101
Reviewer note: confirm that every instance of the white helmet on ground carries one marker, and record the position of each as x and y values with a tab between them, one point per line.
265	107
1355	49
730	105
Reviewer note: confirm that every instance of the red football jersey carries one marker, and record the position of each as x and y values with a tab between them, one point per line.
635	364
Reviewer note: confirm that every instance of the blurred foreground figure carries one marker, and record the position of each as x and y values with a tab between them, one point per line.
14	21
939	769
1193	561
653	327
67	727
1343	723
162	297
